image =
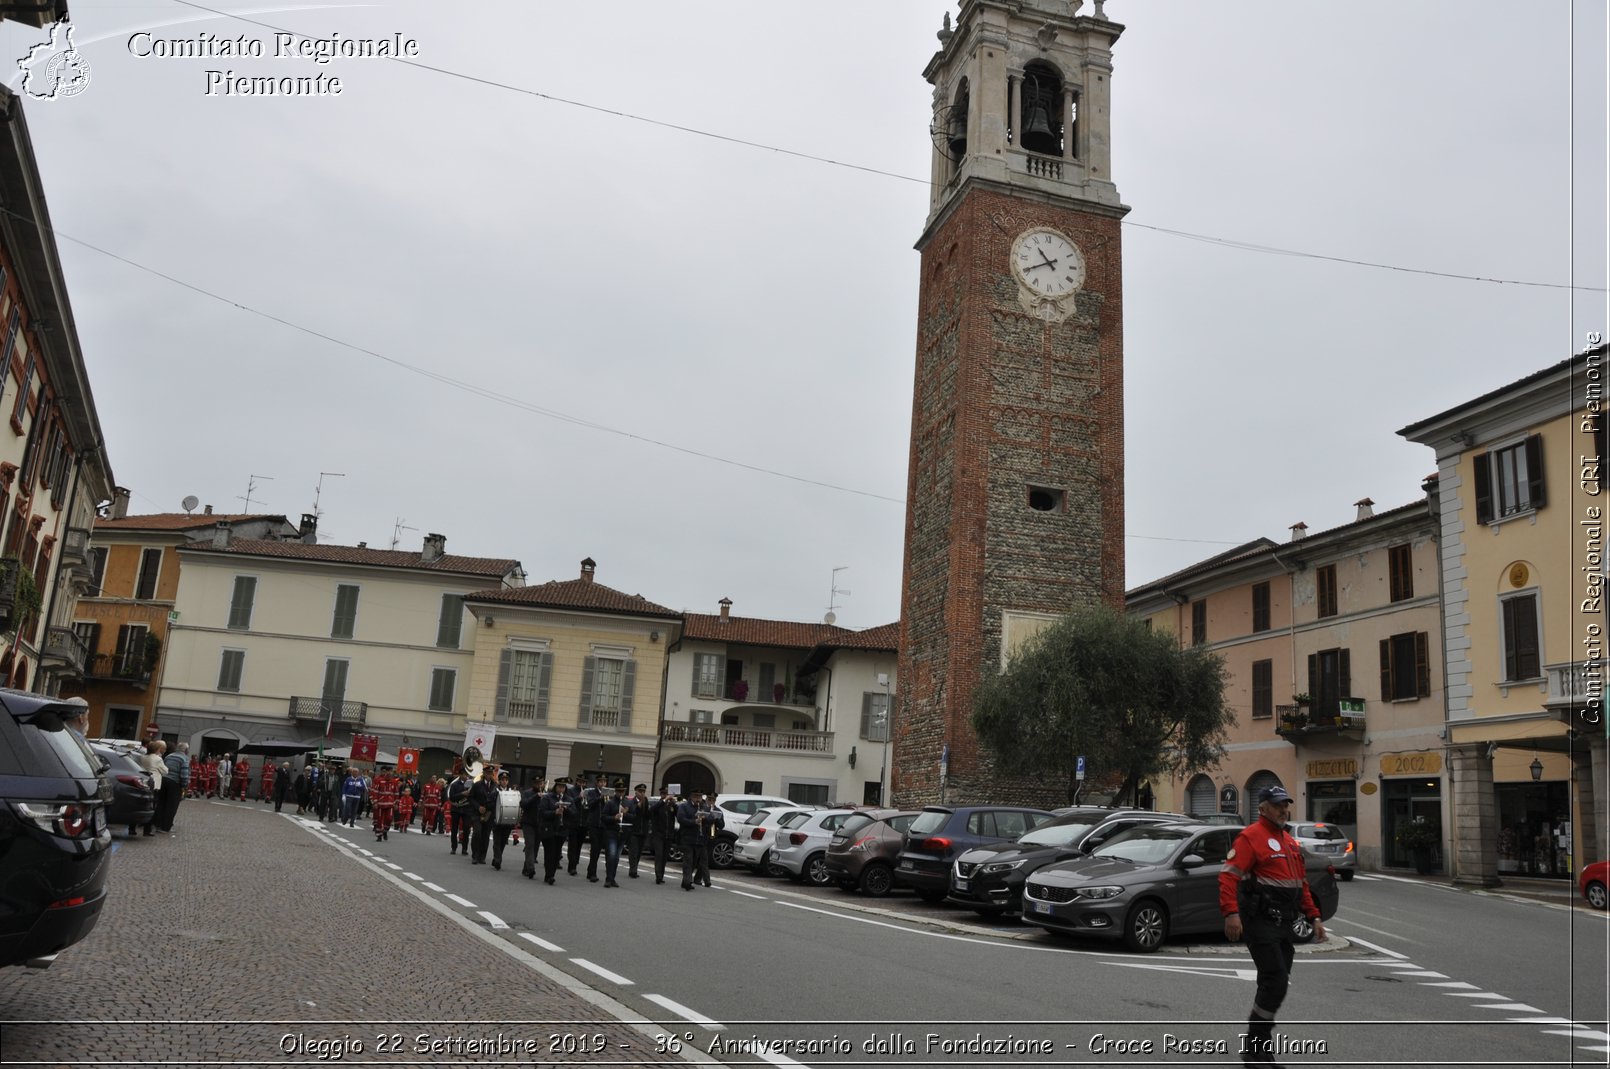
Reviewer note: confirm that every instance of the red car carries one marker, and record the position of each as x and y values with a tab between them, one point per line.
1594	881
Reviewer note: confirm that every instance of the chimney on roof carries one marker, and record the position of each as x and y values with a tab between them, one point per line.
220	535
435	547
726	610
588	566
310	529
1299	531
1366	509
363	545
120	502
207	511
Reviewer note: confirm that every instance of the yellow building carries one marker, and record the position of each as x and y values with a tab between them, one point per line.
569	676
1521	543
1329	643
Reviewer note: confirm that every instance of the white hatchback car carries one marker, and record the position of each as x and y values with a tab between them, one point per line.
753	848
740	807
799	845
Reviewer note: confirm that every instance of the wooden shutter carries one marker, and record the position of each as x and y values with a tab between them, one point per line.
1344	675
500	705
1386	669
1313	676
118	655
1422	665
240	602
335	680
1482	476
1535	485
450	625
866	714
150	565
584	716
346	611
628	687
442	684
544	680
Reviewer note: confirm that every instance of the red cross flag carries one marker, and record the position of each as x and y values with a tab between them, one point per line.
408	761
364	747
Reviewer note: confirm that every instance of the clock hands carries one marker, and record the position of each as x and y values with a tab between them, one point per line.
1052	264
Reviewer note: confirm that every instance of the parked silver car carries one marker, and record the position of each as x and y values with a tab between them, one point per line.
799	846
1328	841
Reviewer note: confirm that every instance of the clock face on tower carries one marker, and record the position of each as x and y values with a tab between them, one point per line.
1047	264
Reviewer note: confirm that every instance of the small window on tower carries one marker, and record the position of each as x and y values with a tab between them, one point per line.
1045	499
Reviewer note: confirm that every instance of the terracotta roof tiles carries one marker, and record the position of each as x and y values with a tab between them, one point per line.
177	521
381	558
575	594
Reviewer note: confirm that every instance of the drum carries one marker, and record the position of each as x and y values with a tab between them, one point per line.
507	811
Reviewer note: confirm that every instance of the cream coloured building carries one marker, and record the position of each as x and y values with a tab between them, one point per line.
793	710
280	638
1331	646
1522	509
568	676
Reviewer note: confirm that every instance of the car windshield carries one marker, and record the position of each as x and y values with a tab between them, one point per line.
791	819
1319	831
853	821
1149	844
1055	834
929	821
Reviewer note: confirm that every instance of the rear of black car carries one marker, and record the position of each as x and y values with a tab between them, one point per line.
54	841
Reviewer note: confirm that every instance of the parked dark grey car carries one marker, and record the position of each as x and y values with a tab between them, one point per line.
941	833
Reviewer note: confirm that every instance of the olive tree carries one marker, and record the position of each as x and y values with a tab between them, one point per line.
1099	684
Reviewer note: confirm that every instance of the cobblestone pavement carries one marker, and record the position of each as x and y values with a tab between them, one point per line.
326	954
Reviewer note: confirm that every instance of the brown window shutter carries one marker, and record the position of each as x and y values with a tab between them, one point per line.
1422	665
1483	477
1535	484
1386	670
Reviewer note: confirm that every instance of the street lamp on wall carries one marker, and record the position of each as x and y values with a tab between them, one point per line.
1537	769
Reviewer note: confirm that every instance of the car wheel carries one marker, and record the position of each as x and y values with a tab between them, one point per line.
1302	929
876	880
771	868
815	871
932	897
1146	926
674	854
1598	898
1344	874
721	855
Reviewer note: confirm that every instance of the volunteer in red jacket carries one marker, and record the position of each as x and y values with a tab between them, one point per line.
1262	888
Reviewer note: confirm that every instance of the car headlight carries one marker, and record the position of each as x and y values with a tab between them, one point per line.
1100	892
1000	866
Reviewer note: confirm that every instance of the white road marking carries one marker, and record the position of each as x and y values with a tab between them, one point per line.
683	1012
389	865
612	977
494	920
1378	948
1448	983
1420	972
436	887
1578	1032
364	852
1226	972
544	944
411	876
1542	1020
1378	931
1513	1007
466	903
746	894
1489	995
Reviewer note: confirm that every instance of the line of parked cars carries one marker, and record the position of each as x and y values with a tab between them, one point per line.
1135	875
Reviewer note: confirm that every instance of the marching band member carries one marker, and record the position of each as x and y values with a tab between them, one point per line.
634	825
500	830
483	801
662	830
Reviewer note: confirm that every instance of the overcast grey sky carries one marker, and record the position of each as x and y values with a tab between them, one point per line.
691	359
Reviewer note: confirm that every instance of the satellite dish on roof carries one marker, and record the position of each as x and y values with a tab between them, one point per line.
830	619
190	502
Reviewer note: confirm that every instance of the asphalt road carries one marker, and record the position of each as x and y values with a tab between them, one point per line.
1432	975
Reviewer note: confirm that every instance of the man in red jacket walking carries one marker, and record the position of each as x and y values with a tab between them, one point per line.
1262	888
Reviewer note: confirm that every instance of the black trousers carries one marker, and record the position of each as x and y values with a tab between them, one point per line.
500	839
634	851
695	863
528	836
480	835
552	846
1273	952
573	839
595	843
168	804
662	851
461	833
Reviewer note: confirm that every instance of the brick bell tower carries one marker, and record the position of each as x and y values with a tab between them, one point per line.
1014	503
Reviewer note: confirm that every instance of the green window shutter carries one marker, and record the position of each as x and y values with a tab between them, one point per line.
698	673
1482	471
866	715
1535	484
442	683
500	707
1386	670
544	679
584	716
1422	665
335	679
240	602
229	670
346	611
628	685
450	626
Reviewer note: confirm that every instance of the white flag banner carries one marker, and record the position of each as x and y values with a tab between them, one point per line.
481	736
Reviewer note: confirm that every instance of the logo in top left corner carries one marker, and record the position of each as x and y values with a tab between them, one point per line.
54	69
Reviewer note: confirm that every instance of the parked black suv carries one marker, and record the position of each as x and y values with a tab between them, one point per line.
55	848
941	833
990	879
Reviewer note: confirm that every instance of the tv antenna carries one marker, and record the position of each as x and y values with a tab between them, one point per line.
319	490
251	488
834	592
396	531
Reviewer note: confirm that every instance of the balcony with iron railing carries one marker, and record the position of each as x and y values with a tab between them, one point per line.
120	668
739	691
65	649
729	736
1335	717
333	710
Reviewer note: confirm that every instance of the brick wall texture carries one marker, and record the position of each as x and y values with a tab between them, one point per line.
1002	401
